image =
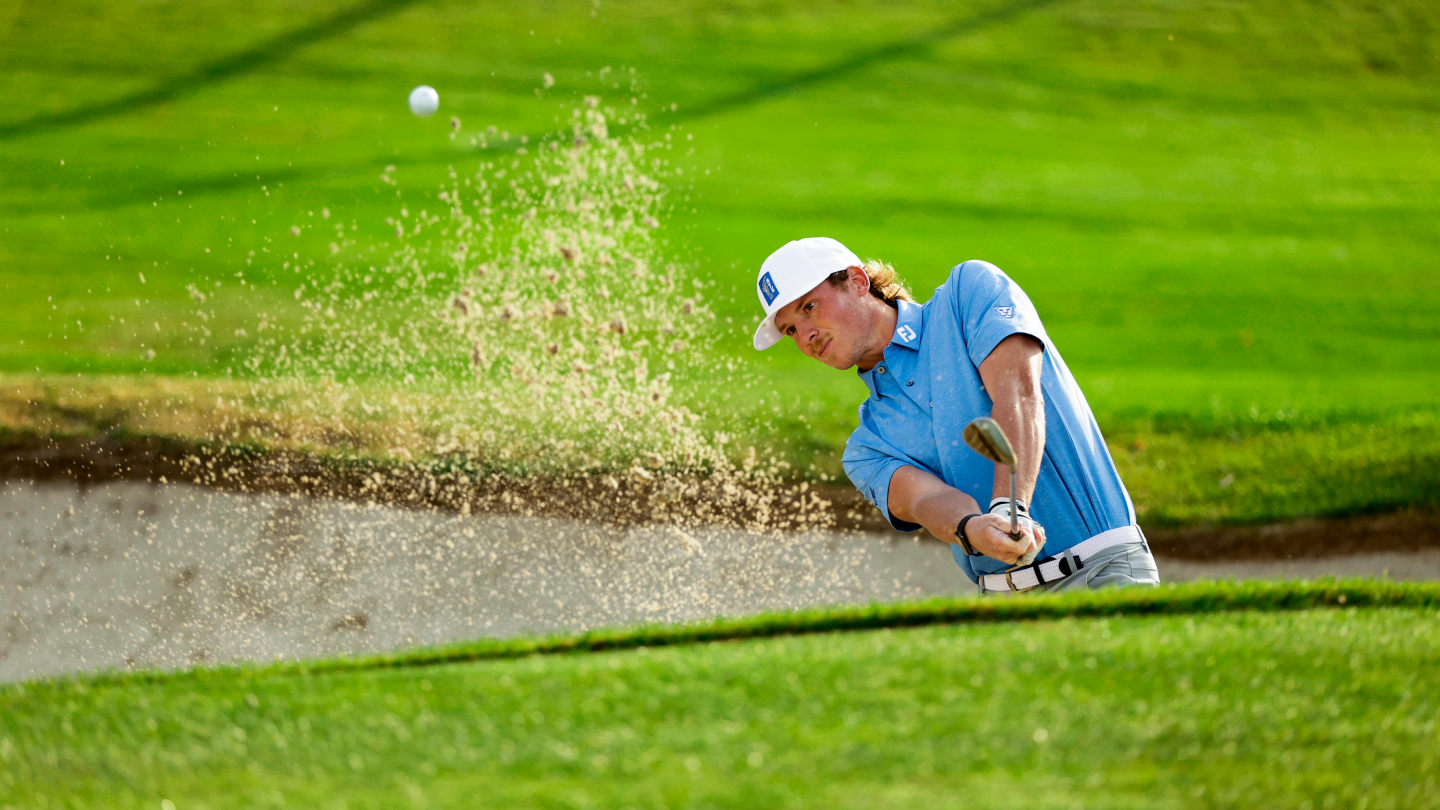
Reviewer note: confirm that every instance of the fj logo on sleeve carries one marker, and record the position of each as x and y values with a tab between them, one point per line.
906	333
1005	312
767	289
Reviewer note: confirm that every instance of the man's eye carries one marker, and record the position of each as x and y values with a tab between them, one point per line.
809	306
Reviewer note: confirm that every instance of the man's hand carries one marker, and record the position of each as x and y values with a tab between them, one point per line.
990	535
1000	507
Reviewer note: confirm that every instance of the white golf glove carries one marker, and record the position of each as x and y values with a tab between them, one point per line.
1001	507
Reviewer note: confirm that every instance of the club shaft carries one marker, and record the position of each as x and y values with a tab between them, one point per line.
1014	507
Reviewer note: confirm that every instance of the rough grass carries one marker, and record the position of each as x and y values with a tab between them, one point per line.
1151	699
1181	469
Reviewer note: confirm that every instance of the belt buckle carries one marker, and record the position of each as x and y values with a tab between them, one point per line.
1069	563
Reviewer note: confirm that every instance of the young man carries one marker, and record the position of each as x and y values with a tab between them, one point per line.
977	348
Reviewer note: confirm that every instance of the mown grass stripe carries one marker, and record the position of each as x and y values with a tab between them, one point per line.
1195	597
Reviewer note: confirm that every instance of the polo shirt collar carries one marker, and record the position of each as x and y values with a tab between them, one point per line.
908	324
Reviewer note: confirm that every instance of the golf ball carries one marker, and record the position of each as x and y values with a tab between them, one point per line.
424	101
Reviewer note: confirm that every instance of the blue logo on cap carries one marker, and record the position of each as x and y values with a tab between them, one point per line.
767	289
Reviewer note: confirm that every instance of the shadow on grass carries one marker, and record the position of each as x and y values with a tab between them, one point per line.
854	63
227	67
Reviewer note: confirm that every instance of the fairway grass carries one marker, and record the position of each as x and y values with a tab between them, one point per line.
1105	707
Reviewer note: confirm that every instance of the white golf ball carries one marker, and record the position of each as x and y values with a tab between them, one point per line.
424	101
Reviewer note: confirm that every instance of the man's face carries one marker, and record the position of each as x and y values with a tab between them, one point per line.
830	323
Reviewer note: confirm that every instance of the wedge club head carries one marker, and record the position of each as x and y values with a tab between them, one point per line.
985	437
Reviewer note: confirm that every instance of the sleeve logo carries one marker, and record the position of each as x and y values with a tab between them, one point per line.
768	289
906	333
1005	312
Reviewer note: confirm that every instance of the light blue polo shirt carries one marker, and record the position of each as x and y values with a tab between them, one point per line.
928	388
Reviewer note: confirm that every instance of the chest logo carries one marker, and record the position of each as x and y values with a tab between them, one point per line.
1005	312
768	289
906	333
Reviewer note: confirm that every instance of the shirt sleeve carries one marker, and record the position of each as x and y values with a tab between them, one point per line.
870	462
991	307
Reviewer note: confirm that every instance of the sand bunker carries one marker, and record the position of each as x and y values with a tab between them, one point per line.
129	574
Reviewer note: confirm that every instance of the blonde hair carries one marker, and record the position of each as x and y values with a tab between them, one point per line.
885	283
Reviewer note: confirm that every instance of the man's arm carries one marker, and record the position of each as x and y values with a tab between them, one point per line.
917	496
1012	377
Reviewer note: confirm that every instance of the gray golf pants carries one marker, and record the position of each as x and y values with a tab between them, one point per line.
1115	567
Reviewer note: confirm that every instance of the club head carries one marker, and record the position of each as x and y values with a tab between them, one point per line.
986	438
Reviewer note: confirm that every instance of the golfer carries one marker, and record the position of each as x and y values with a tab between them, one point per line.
977	348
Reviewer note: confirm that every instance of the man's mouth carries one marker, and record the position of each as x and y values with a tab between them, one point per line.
824	348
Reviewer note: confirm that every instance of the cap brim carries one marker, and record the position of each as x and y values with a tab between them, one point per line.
766	335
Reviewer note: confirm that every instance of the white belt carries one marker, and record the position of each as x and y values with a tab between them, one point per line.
1063	564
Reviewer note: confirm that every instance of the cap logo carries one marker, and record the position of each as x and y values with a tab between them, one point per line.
1005	312
768	289
906	333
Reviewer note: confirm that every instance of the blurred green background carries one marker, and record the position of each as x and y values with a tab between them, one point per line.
1225	212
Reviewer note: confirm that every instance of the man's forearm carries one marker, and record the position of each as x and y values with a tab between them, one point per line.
919	497
940	512
1012	375
1022	417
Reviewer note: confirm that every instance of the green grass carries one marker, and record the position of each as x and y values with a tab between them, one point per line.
1223	211
1094	700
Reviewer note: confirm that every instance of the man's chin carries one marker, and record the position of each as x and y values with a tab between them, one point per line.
831	361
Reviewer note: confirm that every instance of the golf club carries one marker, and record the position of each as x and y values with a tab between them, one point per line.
986	437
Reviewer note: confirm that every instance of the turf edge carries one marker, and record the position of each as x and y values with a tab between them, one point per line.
1195	597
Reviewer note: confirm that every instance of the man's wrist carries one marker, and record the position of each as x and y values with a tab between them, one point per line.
1020	506
964	541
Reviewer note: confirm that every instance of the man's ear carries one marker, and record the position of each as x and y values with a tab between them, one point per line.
859	279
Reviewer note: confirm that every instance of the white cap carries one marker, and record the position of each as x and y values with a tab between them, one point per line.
792	271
